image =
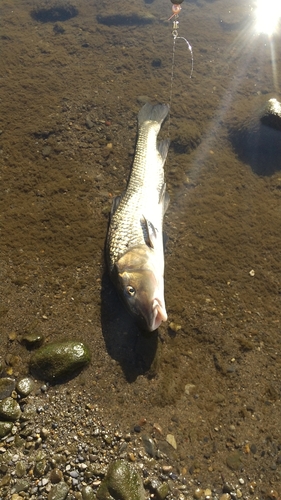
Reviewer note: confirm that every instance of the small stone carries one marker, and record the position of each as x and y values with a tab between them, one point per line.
149	445
88	493
5	428
44	433
171	440
32	340
189	389
20	469
7	386
227	488
157	427
12	336
24	386
22	485
225	496
46	151
233	461
40	468
58	492
167	468
198	493
239	493
161	491
5	480
253	449
207	492
123	481
56	476
9	409
174	327
89	123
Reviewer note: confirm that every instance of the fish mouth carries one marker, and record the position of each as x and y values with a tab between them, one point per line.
159	314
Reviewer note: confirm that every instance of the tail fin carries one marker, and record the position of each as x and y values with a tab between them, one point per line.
156	113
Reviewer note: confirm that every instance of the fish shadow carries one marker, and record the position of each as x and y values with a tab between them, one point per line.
133	349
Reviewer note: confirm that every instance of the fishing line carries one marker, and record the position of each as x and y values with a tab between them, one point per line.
176	8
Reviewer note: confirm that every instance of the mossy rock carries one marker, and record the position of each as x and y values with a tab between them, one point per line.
59	360
122	482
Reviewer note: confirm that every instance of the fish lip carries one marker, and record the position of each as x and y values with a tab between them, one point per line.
159	314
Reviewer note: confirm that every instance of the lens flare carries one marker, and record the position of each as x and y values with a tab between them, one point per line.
268	14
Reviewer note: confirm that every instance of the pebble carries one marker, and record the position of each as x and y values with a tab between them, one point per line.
5	428
9	409
58	492
7	385
88	493
24	386
198	493
32	340
171	440
233	460
149	445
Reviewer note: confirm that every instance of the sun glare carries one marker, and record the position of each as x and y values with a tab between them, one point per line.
268	14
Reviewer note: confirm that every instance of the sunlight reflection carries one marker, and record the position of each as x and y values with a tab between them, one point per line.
268	14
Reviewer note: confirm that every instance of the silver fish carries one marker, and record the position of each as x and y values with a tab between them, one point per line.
134	245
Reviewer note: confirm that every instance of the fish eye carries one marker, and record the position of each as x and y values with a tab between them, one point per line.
131	290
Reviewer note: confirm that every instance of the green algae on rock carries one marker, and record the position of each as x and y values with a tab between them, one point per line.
9	410
59	360
122	482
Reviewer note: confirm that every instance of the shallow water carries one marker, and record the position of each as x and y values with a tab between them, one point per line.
70	94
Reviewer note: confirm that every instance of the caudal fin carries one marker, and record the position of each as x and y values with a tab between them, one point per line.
156	113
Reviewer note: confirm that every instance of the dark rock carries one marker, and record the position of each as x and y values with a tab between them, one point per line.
32	340
256	134
54	11
7	386
149	445
271	114
59	360
122	482
156	63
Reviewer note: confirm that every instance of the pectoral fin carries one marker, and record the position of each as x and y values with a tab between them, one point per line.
115	204
151	233
164	198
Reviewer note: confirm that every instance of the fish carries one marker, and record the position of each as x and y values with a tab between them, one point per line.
135	243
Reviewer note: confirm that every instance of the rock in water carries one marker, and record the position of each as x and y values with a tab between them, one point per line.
255	132
7	386
58	360
9	410
122	482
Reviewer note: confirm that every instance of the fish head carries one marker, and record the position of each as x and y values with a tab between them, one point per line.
140	289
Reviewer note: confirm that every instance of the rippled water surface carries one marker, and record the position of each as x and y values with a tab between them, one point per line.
73	77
